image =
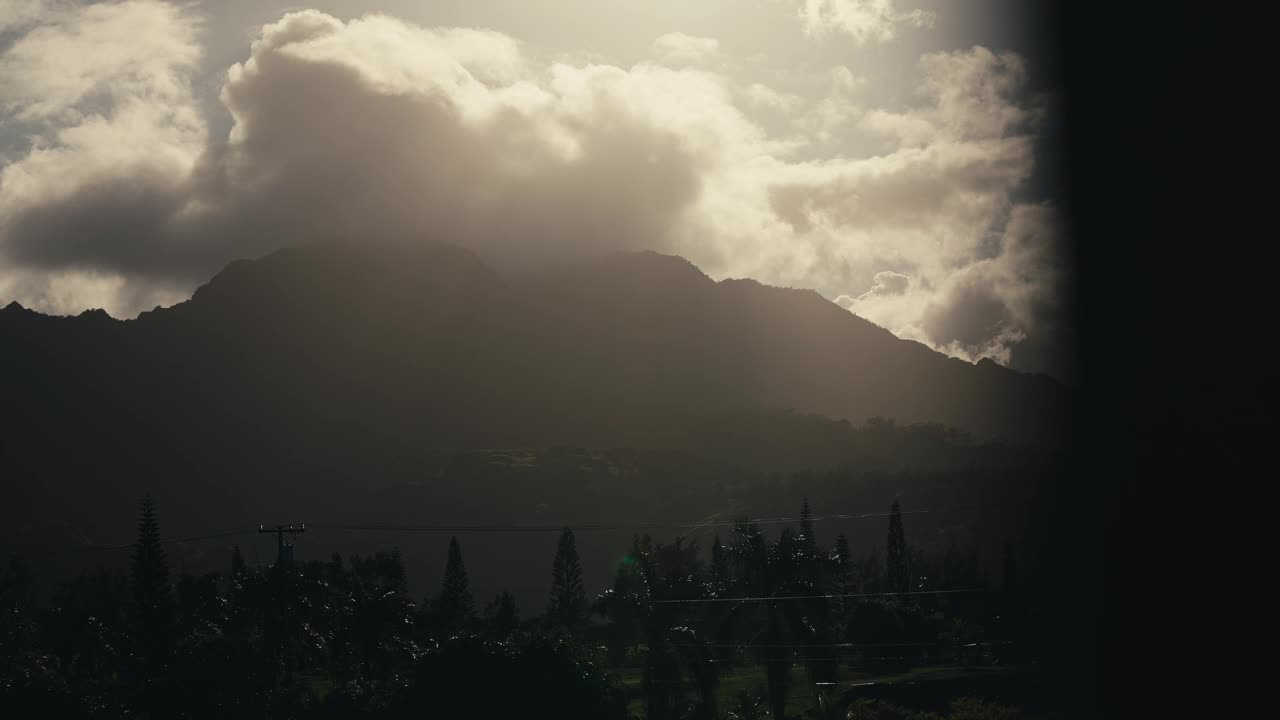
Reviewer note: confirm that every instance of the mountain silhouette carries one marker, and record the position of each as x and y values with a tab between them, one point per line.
426	345
427	342
332	381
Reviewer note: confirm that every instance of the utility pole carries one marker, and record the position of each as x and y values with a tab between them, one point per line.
280	580
284	550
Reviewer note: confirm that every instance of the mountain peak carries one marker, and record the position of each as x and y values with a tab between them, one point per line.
433	333
648	265
14	312
95	315
333	274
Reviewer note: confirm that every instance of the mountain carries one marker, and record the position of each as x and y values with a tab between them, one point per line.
331	381
429	345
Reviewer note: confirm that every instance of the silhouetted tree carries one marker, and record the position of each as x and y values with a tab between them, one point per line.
870	574
749	553
152	596
702	670
620	606
777	663
348	626
237	563
843	557
568	601
455	606
897	573
808	537
396	575
663	573
719	565
841	577
501	614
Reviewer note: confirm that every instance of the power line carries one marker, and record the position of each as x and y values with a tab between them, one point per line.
499	527
771	598
192	538
935	643
805	659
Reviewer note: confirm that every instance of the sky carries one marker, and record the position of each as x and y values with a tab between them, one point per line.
896	156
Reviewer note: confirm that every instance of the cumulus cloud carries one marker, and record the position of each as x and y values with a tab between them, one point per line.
678	48
989	307
867	22
112	129
888	282
969	95
380	129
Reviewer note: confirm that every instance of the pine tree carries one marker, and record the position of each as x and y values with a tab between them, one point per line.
568	599
871	572
897	573
843	562
152	597
455	605
719	564
622	584
237	563
807	535
334	572
748	552
396	575
811	574
843	556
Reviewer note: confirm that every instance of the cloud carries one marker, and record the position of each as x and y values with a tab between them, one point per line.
18	14
971	94
989	307
376	128
888	282
112	128
867	22
678	48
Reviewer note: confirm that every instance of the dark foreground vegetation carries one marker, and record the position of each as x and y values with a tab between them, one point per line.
766	622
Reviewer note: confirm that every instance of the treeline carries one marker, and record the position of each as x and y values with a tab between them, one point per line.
344	637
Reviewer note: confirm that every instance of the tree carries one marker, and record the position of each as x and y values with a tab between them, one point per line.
842	561
501	614
749	553
568	601
719	564
152	597
897	573
237	563
870	571
455	606
396	576
777	664
150	567
808	537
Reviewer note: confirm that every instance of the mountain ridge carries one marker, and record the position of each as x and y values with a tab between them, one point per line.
615	334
